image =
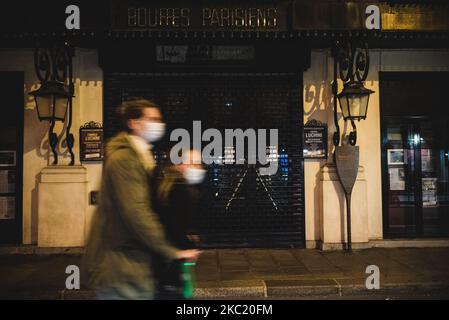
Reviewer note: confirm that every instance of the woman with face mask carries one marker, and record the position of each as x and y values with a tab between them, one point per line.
176	191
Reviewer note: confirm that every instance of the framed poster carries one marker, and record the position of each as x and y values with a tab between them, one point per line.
396	156
91	142
315	140
426	160
429	192
397	179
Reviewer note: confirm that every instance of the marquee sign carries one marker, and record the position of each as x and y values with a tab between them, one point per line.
221	15
188	16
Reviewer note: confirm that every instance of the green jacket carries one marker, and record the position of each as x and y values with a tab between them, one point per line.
125	231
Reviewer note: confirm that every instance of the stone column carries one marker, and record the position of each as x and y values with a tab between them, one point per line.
62	205
333	210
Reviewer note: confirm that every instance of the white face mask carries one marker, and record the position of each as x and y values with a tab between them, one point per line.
153	131
194	175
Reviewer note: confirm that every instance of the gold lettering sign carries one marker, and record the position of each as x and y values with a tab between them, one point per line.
158	17
251	18
209	18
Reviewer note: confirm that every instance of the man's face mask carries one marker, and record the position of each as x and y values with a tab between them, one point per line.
153	131
194	175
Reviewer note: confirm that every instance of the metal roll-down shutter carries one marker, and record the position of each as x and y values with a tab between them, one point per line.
239	208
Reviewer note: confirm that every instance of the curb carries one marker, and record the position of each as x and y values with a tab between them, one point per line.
260	292
332	289
337	290
34	250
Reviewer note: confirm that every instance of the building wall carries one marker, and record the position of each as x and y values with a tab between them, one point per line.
318	103
87	107
89	84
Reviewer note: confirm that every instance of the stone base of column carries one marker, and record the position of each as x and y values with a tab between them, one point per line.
62	204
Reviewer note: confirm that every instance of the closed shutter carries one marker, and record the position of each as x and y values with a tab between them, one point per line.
240	208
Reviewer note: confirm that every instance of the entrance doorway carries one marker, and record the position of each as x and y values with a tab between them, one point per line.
415	160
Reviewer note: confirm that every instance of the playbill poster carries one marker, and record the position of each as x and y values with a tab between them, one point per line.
397	179
429	191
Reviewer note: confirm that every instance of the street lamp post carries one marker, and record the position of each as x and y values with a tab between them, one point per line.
54	97
351	62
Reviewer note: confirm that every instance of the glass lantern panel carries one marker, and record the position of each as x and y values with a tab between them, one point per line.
344	106
355	103
60	108
44	106
364	105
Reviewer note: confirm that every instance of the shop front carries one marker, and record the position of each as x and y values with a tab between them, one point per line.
240	78
233	66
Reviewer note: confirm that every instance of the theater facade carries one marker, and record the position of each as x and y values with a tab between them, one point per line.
232	65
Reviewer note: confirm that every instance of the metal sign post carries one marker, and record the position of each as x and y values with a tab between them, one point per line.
347	163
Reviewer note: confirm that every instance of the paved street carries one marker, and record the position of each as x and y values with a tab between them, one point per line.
260	273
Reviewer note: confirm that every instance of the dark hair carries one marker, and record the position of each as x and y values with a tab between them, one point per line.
133	109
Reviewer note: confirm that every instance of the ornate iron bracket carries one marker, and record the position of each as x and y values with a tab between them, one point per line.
55	64
70	140
351	63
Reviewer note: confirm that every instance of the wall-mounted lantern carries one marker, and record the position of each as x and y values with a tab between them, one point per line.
351	62
54	96
52	100
354	101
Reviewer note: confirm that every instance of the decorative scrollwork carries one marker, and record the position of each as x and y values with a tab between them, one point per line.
53	140
91	125
70	140
353	62
51	64
351	59
55	65
345	62
42	64
361	63
352	139
60	64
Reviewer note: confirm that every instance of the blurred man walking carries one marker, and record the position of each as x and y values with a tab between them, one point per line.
126	232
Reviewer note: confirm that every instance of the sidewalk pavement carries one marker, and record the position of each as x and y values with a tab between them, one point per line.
251	273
